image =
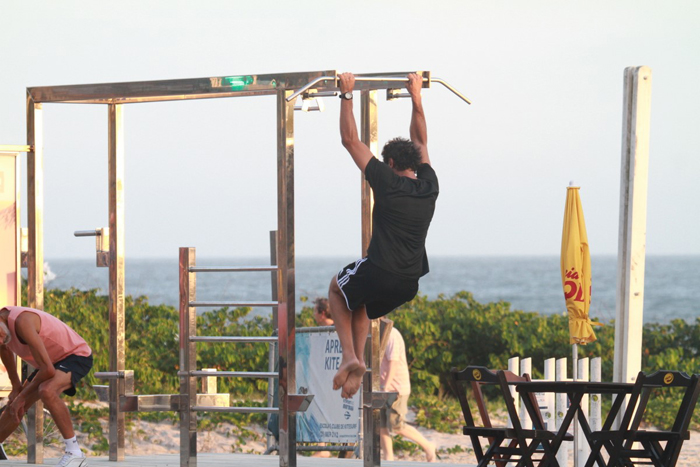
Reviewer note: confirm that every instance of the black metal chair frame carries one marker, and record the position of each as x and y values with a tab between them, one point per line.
506	444
620	443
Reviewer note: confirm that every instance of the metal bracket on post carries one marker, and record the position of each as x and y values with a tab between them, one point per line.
101	244
380	400
393	94
130	402
299	402
313	95
103	391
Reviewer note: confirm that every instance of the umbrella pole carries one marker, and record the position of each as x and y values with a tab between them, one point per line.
574	372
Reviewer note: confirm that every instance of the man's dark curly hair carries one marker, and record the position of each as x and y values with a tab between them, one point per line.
403	152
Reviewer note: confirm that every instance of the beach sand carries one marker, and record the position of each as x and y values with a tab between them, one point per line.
144	438
164	438
153	438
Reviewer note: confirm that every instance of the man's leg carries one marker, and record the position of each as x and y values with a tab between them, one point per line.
360	330
7	425
387	444
50	394
342	318
414	435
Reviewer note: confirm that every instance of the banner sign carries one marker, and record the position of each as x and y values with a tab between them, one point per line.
330	418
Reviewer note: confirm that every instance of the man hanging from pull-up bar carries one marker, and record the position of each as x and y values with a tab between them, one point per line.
405	188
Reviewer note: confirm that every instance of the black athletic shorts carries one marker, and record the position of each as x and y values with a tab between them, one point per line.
363	283
77	366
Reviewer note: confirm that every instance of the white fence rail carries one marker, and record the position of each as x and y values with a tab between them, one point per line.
554	406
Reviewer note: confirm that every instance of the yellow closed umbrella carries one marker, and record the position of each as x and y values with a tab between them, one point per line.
576	280
576	270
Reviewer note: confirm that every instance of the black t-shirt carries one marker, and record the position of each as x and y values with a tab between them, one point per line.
403	209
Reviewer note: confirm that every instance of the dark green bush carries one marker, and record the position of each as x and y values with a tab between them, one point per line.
440	334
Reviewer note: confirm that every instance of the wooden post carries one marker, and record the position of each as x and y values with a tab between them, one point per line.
633	218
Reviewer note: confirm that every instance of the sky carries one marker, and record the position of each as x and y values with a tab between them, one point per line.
545	78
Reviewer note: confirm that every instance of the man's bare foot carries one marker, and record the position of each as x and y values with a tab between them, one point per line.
354	381
344	371
430	453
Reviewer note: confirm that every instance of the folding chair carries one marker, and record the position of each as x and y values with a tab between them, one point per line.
506	444
649	451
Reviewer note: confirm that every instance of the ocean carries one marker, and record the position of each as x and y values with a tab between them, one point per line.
527	283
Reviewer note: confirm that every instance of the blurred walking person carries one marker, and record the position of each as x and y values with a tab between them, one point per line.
394	377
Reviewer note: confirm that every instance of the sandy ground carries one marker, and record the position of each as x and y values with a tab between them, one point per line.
145	438
152	438
156	438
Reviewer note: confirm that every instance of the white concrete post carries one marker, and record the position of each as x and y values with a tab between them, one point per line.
631	250
632	230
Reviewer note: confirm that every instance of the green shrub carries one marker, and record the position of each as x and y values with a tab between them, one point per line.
459	331
440	334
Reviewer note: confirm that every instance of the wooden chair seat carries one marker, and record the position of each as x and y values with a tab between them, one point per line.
511	433
659	435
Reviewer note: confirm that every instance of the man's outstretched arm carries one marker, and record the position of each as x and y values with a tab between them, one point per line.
348	128
419	130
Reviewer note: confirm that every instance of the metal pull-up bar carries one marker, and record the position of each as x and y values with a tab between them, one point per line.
375	78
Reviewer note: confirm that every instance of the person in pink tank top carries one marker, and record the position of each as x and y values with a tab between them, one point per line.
61	358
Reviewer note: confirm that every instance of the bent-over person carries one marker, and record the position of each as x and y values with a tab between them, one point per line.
61	358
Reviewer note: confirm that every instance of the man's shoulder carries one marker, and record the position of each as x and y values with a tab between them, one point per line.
375	165
28	318
379	174
425	170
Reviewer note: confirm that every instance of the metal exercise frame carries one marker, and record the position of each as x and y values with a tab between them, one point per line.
111	253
